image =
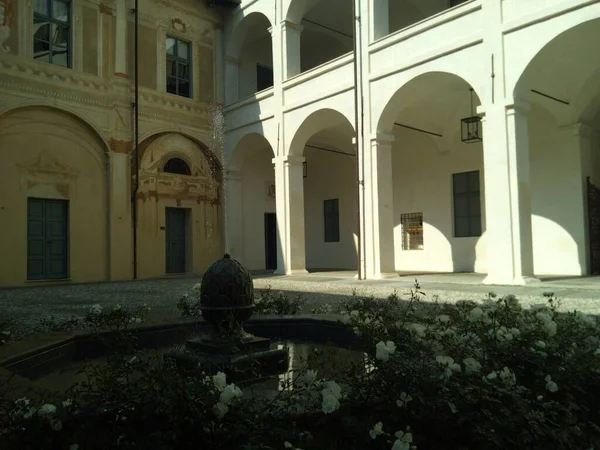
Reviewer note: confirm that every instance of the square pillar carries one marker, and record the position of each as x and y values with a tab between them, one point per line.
508	195
122	22
378	229
289	205
232	80
291	34
380	19
234	235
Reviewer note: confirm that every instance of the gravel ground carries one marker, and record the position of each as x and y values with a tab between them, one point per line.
25	307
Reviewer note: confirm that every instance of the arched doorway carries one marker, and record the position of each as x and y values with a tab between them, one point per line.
330	201
560	83
251	213
249	58
439	214
53	179
180	223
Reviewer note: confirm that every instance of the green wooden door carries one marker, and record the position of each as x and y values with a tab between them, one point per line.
47	239
175	240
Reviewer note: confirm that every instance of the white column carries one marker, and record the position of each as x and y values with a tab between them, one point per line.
121	37
577	140
232	80
508	195
234	237
291	34
379	208
380	19
289	201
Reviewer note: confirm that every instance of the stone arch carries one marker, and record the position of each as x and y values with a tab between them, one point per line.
561	107
415	90
563	28
243	29
51	156
247	141
313	123
178	145
81	126
565	53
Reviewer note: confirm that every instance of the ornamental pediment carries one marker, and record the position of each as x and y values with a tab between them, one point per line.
177	186
48	165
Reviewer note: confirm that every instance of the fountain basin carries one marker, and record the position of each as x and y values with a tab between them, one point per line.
44	356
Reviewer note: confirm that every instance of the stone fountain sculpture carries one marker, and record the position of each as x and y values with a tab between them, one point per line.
226	302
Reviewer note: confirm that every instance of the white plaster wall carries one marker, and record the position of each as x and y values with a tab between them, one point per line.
558	217
330	176
256	52
257	170
423	183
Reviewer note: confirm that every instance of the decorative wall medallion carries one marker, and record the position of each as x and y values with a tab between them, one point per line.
178	25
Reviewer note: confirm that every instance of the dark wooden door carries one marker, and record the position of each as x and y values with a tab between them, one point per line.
594	226
47	239
175	240
270	241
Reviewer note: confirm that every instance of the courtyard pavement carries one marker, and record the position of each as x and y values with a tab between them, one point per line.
26	306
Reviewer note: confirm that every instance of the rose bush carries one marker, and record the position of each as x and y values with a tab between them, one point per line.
474	375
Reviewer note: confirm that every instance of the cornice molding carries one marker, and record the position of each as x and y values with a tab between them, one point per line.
36	80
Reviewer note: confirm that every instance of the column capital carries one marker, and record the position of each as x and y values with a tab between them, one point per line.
289	160
382	139
580	129
270	30
233	175
232	60
287	25
518	107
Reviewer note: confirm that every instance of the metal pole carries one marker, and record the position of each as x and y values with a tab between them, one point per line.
357	140
137	139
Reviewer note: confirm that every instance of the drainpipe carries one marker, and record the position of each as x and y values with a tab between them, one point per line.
136	106
358	137
108	216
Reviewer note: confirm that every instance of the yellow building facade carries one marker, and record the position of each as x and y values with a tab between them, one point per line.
68	186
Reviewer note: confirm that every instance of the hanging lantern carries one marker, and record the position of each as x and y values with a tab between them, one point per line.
471	126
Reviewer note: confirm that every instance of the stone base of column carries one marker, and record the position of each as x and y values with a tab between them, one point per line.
380	276
290	272
518	281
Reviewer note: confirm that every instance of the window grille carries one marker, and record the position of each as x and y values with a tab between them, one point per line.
412	231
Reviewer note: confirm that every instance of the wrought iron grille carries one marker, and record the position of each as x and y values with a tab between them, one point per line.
412	231
593	193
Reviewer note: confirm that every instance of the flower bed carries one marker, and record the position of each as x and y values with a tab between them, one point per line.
479	376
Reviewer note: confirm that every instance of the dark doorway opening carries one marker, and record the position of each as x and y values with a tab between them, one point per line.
175	239
593	194
270	241
47	239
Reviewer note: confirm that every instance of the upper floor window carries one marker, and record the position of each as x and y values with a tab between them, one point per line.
179	76
467	204
52	31
177	165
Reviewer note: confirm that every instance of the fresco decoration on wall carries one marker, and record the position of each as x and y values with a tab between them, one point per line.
47	170
6	19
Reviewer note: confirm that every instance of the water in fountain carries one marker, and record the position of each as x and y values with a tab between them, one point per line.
218	149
